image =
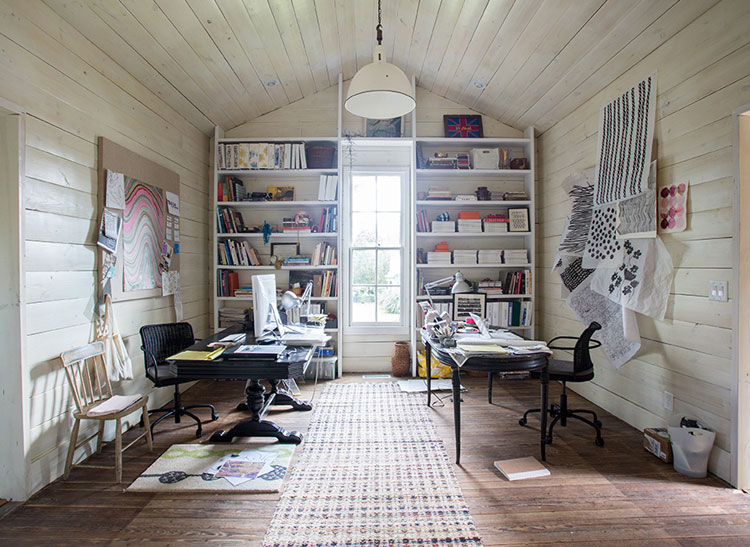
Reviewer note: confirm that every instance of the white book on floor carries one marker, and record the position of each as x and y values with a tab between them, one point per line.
521	468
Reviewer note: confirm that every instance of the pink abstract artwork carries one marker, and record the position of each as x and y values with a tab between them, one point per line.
673	207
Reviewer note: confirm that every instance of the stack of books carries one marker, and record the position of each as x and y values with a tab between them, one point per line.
298	223
465	256
443	226
328	188
496	224
490	256
244	292
462	161
297	261
323	255
230	316
261	155
515	256
515	196
468	222
439	193
439	258
490	287
509	314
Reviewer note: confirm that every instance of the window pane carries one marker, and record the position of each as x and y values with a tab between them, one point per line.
389	193
363	267
363	229
389	229
389	267
363	193
389	304
363	304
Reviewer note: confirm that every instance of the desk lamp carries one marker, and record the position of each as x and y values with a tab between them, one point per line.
459	285
290	301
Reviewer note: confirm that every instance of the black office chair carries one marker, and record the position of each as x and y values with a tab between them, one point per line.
581	369
158	343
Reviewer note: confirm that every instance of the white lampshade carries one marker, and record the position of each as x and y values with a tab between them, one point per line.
380	90
460	286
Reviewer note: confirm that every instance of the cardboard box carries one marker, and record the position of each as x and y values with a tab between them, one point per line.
656	441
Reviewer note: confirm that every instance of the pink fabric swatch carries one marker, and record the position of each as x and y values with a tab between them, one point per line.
673	207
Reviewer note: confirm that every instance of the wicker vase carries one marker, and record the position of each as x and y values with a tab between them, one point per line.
401	360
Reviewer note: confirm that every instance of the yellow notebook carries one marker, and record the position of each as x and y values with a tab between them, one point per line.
197	355
482	348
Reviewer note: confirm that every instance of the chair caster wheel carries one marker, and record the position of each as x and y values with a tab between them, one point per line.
597	423
548	438
522	421
198	433
214	416
599	441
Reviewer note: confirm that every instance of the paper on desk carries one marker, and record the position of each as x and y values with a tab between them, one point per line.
481	348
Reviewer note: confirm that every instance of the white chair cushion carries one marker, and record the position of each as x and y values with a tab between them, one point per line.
113	405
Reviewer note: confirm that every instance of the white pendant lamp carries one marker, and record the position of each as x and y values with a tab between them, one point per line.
380	90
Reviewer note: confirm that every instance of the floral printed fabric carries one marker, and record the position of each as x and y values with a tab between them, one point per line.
642	279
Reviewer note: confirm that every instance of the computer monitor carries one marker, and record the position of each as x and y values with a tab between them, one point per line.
265	313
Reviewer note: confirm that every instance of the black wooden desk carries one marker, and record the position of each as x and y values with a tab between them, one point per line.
290	364
501	363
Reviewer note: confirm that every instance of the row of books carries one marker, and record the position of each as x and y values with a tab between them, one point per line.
466	226
261	155
444	194
517	282
509	314
490	287
229	221
328	188
227	283
323	254
329	220
474	256
324	285
237	253
231	189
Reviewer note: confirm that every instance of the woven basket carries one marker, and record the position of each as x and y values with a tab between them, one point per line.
401	360
320	156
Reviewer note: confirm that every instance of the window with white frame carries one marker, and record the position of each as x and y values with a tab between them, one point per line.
376	249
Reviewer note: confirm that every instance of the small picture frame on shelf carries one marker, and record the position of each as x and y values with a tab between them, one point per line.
281	193
385	129
463	126
282	251
518	220
466	303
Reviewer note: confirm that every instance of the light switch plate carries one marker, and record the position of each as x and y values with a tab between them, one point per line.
717	291
668	400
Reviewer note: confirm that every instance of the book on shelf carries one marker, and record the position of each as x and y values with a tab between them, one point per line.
422	224
495	223
440	257
521	468
260	155
227	283
231	189
515	196
439	193
466	197
237	253
469	226
490	287
518	282
329	220
328	188
515	313
229	221
323	254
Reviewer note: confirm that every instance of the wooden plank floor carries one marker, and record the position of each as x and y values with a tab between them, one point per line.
595	496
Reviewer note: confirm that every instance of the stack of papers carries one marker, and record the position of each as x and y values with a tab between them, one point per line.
443	226
467	256
438	258
516	256
490	256
470	225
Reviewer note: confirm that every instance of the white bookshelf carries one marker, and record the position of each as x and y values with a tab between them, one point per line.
466	181
254	213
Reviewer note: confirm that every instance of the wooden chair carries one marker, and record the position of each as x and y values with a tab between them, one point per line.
86	372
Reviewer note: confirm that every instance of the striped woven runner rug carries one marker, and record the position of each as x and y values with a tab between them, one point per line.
373	471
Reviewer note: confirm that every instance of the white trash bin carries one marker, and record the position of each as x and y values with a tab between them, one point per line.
691	448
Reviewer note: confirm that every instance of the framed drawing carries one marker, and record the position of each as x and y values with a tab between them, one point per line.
518	220
463	126
389	128
282	251
281	193
466	303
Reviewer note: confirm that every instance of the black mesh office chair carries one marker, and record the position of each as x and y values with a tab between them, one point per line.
158	343
581	369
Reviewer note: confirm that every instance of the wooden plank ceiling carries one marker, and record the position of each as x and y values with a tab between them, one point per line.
524	62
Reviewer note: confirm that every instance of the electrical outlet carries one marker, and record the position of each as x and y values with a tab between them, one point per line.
717	291
668	400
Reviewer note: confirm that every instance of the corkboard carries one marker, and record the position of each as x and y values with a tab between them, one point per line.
113	157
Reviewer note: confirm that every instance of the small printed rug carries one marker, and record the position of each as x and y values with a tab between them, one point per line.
217	468
373	471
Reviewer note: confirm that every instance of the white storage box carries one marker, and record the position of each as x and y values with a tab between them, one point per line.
325	366
485	158
691	448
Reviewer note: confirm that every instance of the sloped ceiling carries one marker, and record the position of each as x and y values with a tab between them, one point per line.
523	62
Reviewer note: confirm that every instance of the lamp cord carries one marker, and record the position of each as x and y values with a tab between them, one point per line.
379	28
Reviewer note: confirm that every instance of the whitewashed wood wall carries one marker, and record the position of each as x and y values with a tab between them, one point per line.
703	74
74	93
316	116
